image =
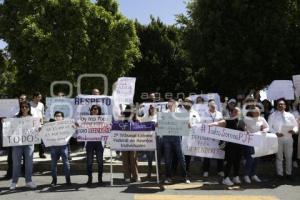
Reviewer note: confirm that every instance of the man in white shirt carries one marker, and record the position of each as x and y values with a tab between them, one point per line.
212	115
38	110
284	125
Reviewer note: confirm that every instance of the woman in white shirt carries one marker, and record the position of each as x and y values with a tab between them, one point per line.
254	123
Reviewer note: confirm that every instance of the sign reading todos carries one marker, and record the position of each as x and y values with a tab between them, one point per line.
21	131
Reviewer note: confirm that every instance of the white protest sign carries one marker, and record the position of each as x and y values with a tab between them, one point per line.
196	145
62	104
296	81
124	90
228	135
269	145
94	127
83	103
57	133
133	141
207	97
281	89
200	108
9	107
21	131
173	124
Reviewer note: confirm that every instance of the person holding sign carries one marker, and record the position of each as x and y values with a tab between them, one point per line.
254	123
284	125
212	115
233	151
18	151
94	147
172	147
59	151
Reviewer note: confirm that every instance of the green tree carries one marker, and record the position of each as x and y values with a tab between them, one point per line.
163	67
7	75
238	45
60	39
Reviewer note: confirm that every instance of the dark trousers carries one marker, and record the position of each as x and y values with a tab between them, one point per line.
206	164
94	148
42	149
233	153
172	147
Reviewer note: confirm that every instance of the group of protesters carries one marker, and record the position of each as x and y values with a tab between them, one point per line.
248	114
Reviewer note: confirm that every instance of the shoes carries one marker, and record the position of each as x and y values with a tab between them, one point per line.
295	164
205	174
290	178
256	179
68	181
127	180
43	156
13	186
187	181
138	180
168	181
100	180
31	185
247	179
236	180
90	180
221	174
54	182
227	181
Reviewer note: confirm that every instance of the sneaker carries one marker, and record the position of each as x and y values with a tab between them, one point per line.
138	180
227	181
295	164
221	174
205	174
13	186
31	185
187	181
168	181
127	180
247	179
236	180
256	179
43	156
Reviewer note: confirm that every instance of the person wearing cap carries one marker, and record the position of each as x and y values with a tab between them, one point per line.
212	115
230	106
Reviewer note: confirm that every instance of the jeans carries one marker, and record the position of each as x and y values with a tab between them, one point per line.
251	163
206	164
17	153
93	148
172	146
56	152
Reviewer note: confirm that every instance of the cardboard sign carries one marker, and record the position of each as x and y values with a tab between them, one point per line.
175	124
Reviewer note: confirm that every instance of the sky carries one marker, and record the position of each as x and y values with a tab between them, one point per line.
142	9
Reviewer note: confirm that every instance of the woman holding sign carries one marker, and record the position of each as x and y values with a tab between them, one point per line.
26	150
254	123
94	147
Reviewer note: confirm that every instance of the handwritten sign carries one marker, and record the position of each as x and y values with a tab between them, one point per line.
21	131
175	124
124	91
197	145
57	133
269	145
133	136
94	127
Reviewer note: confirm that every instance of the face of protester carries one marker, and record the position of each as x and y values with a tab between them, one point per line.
187	105
152	110
152	97
199	100
94	111
212	106
58	117
37	99
24	109
171	106
281	106
95	92
256	112
22	98
235	113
